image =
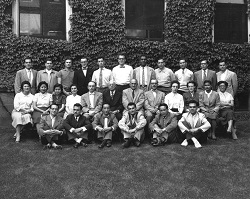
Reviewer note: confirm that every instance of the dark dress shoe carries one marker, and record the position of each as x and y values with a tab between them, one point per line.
127	143
158	143
76	145
137	143
58	147
102	144
109	144
153	141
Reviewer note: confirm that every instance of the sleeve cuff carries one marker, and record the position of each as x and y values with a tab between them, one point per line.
84	128
71	130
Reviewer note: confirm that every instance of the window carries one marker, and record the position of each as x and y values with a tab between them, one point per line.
144	19
230	23
41	18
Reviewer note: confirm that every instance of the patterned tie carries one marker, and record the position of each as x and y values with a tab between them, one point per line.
100	78
112	95
133	94
143	77
183	71
204	75
29	75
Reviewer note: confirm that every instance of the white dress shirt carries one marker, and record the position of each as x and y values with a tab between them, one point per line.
106	77
174	100
29	74
122	75
145	75
184	76
208	94
223	75
91	100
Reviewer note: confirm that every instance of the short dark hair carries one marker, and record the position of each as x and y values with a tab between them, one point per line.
222	82
163	104
73	85
78	105
25	82
41	83
131	104
92	82
58	85
105	104
222	60
192	82
193	102
175	82
207	81
54	104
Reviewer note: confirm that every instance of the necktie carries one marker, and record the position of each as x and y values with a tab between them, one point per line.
183	71
133	94
49	77
204	75
143	77
112	95
29	75
100	78
53	121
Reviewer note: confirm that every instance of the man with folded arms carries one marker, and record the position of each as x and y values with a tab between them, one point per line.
50	128
105	123
132	126
77	126
163	127
194	125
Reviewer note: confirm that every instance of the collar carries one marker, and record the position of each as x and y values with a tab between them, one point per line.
52	117
194	114
65	69
122	66
28	70
208	93
92	93
162	70
48	71
85	68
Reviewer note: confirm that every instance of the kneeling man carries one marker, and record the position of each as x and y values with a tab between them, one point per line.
164	126
50	128
132	126
77	126
105	123
194	125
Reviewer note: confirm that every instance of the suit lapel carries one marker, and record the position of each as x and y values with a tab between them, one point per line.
57	122
49	121
24	74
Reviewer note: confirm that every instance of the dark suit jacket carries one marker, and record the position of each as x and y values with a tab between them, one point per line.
99	121
21	76
115	103
211	75
187	97
82	81
70	122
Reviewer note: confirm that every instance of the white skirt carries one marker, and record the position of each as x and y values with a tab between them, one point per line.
19	119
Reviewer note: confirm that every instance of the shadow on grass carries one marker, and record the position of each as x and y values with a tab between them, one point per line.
221	169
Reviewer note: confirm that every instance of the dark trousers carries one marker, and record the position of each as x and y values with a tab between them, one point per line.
120	88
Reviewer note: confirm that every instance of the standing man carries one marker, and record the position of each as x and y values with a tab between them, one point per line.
132	126
105	123
82	77
77	126
163	127
91	101
183	76
26	74
205	74
50	128
194	125
164	76
122	74
48	75
229	76
133	94
114	99
65	76
101	76
144	74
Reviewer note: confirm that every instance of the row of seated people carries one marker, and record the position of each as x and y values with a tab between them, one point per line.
210	103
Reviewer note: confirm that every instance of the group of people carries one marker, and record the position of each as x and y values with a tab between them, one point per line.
166	107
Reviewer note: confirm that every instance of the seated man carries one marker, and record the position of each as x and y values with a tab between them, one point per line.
91	101
77	126
50	128
194	125
163	127
132	126
105	123
133	94
114	99
153	99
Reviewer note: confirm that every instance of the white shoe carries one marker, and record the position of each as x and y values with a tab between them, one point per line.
184	143
196	143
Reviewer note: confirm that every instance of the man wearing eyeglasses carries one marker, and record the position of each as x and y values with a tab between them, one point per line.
122	74
26	74
194	126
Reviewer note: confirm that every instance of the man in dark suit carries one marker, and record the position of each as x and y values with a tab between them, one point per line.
105	123
82	77
77	126
205	74
50	128
114	99
26	74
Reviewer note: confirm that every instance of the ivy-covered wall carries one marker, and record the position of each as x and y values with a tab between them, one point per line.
98	30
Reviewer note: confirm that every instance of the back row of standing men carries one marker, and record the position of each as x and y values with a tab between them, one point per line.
122	74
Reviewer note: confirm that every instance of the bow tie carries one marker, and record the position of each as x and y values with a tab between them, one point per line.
122	66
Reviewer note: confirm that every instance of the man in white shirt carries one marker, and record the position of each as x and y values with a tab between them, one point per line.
164	76
194	126
122	74
183	76
101	76
48	75
144	74
26	74
77	126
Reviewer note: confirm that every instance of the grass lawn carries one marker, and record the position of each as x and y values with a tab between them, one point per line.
221	169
